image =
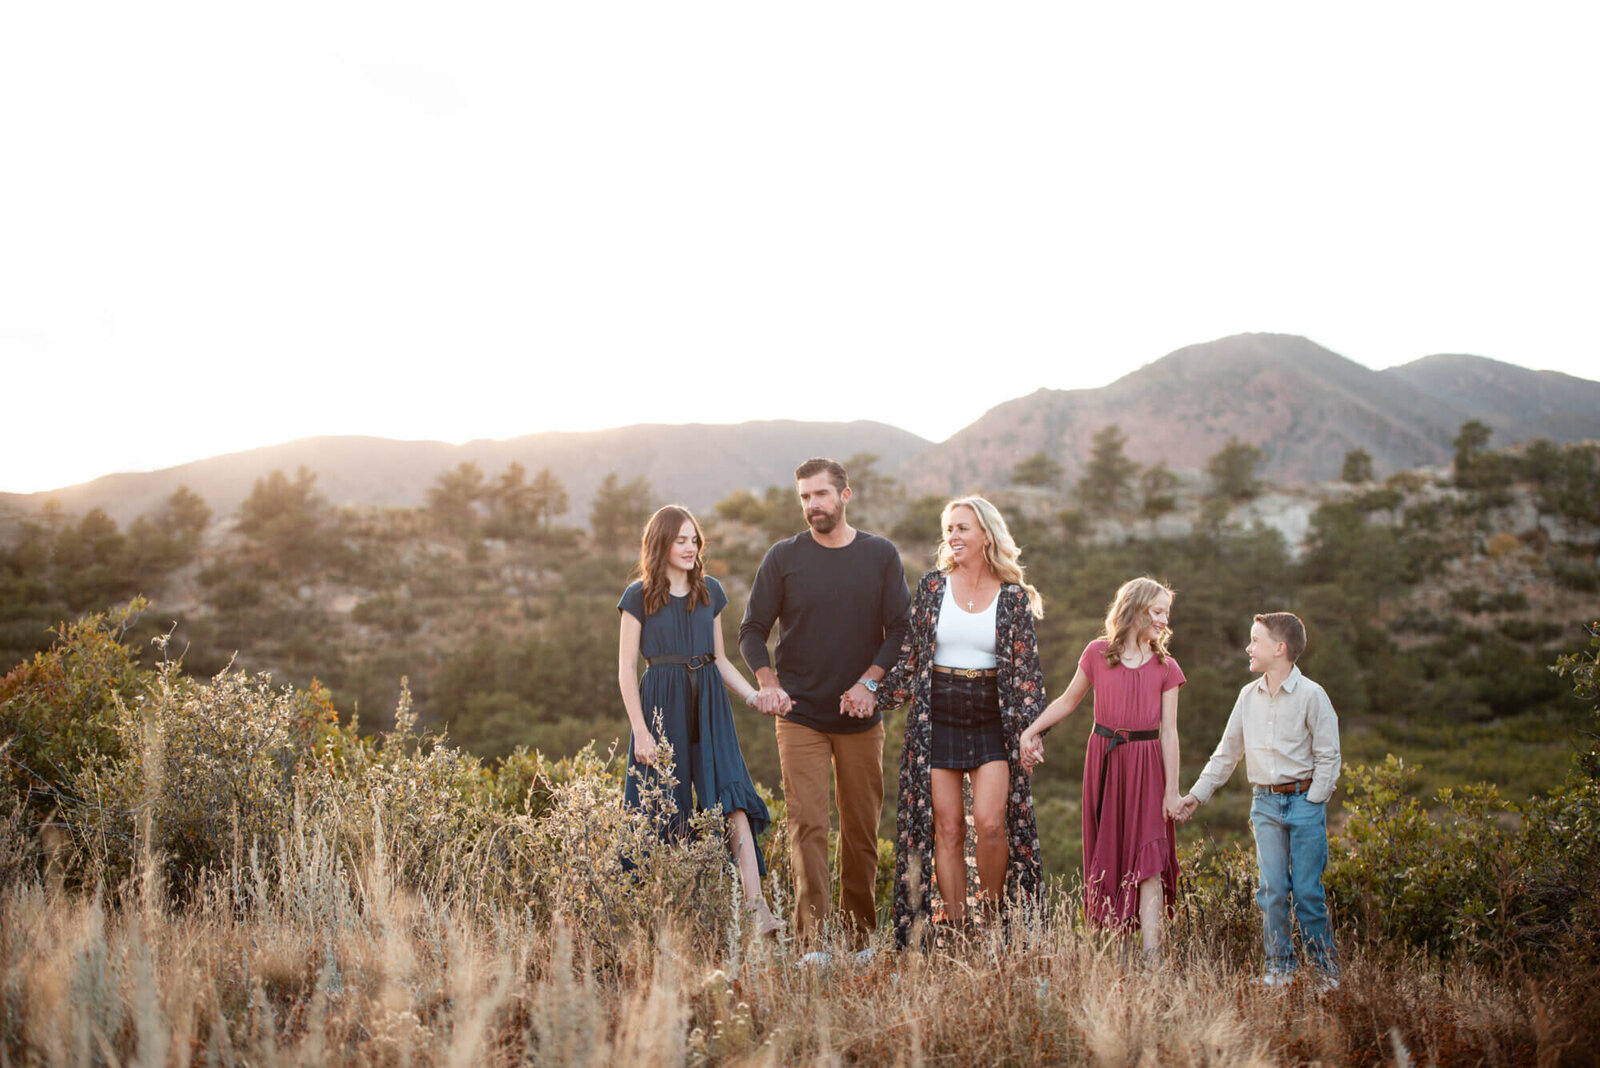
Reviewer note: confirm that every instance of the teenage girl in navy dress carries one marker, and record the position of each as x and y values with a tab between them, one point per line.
669	617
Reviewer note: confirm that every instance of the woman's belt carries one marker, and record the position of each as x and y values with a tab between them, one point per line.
694	664
968	673
1117	738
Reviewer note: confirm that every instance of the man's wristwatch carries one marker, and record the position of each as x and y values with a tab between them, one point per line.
870	684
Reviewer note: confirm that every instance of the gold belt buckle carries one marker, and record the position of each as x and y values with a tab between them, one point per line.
969	673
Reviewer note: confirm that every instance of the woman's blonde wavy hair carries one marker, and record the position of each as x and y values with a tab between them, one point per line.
1129	613
1001	554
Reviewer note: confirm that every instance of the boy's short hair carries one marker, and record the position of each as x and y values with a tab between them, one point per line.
818	465
1285	627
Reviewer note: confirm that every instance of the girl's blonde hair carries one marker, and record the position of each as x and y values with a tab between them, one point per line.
1001	554
1129	613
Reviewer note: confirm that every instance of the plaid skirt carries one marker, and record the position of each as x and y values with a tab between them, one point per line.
966	722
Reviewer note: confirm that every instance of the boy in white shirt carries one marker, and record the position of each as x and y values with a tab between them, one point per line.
1285	728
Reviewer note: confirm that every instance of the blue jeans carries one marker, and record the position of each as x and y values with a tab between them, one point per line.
1291	852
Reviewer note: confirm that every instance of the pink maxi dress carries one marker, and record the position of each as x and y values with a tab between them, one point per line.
1133	840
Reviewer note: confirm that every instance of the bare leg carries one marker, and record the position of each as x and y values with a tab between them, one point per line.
949	843
1151	902
744	851
991	784
762	922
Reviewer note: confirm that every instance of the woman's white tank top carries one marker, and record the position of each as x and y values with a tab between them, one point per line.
964	639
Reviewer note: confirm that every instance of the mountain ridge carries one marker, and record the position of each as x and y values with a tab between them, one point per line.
1303	404
693	463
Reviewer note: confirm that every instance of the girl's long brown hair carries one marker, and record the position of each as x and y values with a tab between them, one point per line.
1129	613
654	544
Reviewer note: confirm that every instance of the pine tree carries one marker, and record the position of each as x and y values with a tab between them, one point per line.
1040	470
453	494
1232	469
549	497
619	511
1156	488
1106	480
1357	467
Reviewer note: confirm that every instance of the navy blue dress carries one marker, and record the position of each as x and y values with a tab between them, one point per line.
706	750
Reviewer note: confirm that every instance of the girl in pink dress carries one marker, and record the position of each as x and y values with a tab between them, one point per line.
1130	771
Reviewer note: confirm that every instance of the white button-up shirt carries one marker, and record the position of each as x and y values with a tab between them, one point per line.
1284	738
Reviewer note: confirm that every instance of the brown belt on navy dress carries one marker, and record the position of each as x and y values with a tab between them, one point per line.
1117	738
694	664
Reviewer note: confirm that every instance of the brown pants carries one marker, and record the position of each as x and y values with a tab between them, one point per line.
855	763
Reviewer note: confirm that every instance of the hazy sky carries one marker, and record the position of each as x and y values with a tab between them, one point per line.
224	227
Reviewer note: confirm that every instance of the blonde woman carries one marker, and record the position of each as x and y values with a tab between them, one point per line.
1130	772
970	667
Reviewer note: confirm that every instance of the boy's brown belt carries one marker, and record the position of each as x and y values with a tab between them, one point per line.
1299	786
1117	738
694	664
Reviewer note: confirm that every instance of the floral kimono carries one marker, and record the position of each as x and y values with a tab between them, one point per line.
1022	698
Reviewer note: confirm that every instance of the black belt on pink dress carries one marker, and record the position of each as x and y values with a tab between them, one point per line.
1117	738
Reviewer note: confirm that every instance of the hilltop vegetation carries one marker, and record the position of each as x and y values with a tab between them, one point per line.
195	856
272	887
1435	602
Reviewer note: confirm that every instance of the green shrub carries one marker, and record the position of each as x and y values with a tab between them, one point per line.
1480	879
1578	575
1506	601
1216	908
1563	851
526	781
1396	875
204	772
61	708
1532	630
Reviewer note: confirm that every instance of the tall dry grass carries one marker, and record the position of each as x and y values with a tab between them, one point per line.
336	963
243	881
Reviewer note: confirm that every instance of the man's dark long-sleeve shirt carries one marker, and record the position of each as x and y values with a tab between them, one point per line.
838	611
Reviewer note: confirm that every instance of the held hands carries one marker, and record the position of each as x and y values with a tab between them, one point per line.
1172	808
1032	750
857	702
1185	808
773	701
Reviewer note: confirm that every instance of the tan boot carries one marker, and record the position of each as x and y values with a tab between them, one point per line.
762	922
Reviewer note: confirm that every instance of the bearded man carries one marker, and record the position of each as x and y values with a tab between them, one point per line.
839	600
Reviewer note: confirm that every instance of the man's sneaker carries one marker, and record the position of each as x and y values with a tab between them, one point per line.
1273	979
1325	983
816	958
865	956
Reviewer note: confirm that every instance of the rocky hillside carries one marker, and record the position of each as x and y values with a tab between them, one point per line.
1516	403
1304	405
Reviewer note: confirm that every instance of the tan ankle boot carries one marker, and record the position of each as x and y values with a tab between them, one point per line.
762	921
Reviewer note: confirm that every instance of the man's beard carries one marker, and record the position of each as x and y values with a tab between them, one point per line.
824	522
